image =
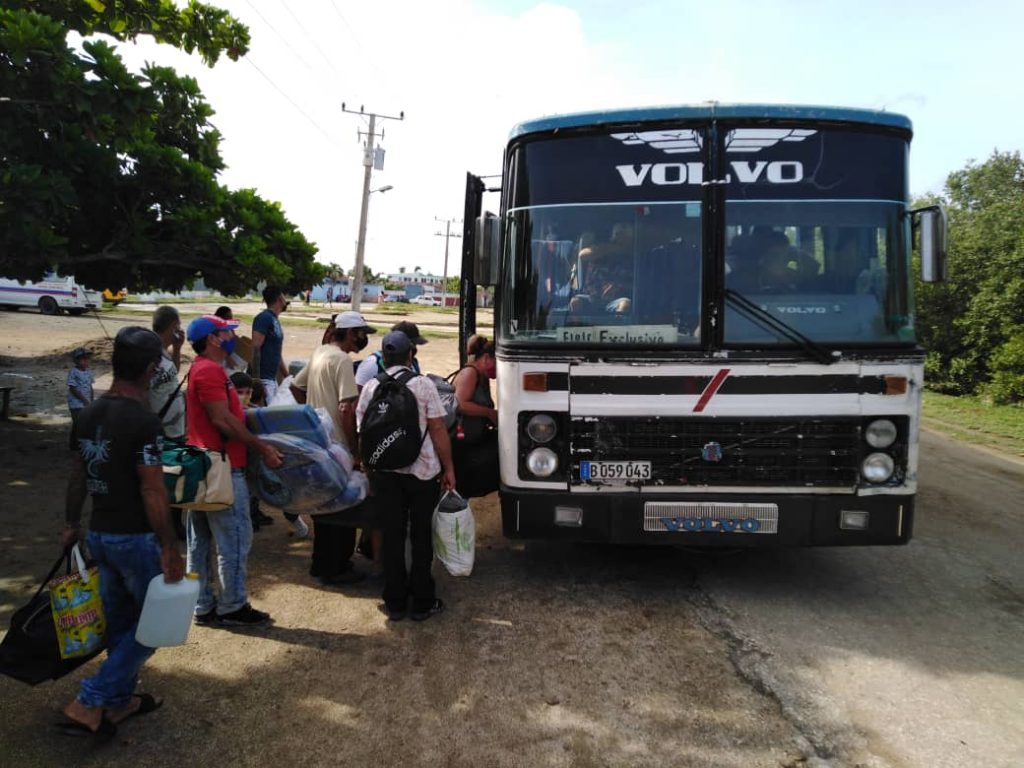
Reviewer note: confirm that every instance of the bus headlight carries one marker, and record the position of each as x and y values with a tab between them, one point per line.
880	433
542	462
877	467
541	428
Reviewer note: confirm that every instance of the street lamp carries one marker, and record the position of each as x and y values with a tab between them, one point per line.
385	188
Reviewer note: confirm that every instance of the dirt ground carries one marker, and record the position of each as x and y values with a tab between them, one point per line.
550	654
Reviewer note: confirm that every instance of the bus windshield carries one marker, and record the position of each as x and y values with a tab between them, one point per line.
835	271
606	274
606	238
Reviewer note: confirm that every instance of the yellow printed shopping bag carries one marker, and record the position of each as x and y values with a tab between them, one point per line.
78	610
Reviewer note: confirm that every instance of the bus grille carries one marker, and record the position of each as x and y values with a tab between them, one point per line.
725	452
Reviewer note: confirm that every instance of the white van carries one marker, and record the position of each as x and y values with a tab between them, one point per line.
52	295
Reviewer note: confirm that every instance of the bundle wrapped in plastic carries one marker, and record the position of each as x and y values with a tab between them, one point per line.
295	420
355	493
334	444
308	478
327	424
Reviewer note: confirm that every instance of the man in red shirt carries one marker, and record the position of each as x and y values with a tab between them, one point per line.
216	422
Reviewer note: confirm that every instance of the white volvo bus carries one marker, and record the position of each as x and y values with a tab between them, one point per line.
705	325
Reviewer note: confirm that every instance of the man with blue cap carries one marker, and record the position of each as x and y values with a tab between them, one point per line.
216	422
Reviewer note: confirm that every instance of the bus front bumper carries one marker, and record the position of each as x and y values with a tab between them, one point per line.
802	520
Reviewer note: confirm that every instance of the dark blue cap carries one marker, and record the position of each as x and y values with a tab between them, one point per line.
396	345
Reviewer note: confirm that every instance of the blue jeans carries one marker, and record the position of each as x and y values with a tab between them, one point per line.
232	532
127	563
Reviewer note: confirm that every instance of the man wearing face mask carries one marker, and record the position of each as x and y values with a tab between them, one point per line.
328	382
216	422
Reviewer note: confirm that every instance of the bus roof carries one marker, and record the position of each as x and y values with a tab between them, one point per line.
714	110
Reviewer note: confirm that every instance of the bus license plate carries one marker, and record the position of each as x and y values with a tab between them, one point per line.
614	471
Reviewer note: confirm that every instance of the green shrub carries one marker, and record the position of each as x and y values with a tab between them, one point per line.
1007	367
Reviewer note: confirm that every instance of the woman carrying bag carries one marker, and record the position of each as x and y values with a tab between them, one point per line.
475	441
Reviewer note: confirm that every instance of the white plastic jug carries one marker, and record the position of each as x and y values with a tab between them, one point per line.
167	612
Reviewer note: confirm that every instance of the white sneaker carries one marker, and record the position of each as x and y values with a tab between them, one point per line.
301	529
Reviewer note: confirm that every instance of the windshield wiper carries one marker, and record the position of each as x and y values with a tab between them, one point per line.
766	319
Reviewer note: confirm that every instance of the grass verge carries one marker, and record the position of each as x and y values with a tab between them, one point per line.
973	420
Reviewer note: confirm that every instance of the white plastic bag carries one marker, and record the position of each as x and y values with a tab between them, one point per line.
454	534
284	395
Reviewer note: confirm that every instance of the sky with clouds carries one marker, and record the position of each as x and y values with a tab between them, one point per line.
465	72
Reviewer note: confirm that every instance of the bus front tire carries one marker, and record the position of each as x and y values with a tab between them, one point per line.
48	306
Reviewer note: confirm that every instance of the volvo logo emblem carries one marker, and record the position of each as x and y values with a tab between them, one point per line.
711	452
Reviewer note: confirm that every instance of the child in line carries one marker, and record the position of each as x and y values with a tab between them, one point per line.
80	391
244	386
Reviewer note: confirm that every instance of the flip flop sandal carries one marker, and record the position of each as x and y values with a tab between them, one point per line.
106	731
147	704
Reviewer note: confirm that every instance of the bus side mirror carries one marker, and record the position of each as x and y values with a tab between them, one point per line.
932	223
488	240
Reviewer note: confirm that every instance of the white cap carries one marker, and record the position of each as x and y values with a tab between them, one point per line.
352	320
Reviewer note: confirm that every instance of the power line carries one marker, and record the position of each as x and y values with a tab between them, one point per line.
278	33
365	57
302	112
316	72
348	26
310	38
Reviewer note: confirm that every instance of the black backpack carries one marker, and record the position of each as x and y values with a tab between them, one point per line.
390	437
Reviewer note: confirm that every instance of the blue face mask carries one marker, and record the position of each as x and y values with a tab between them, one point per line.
228	345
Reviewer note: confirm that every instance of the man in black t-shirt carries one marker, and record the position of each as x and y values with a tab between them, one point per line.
130	535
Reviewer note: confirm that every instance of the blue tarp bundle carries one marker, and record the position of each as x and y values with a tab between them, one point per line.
310	480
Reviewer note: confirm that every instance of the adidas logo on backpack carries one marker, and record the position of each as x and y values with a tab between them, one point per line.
390	436
386	443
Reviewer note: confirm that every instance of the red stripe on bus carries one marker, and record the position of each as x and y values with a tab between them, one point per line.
710	390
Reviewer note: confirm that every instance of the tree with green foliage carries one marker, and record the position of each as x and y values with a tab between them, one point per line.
973	325
111	175
369	276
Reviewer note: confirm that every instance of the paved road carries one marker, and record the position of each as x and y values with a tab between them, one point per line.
910	656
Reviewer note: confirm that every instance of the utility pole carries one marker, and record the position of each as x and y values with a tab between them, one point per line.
447	235
368	158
